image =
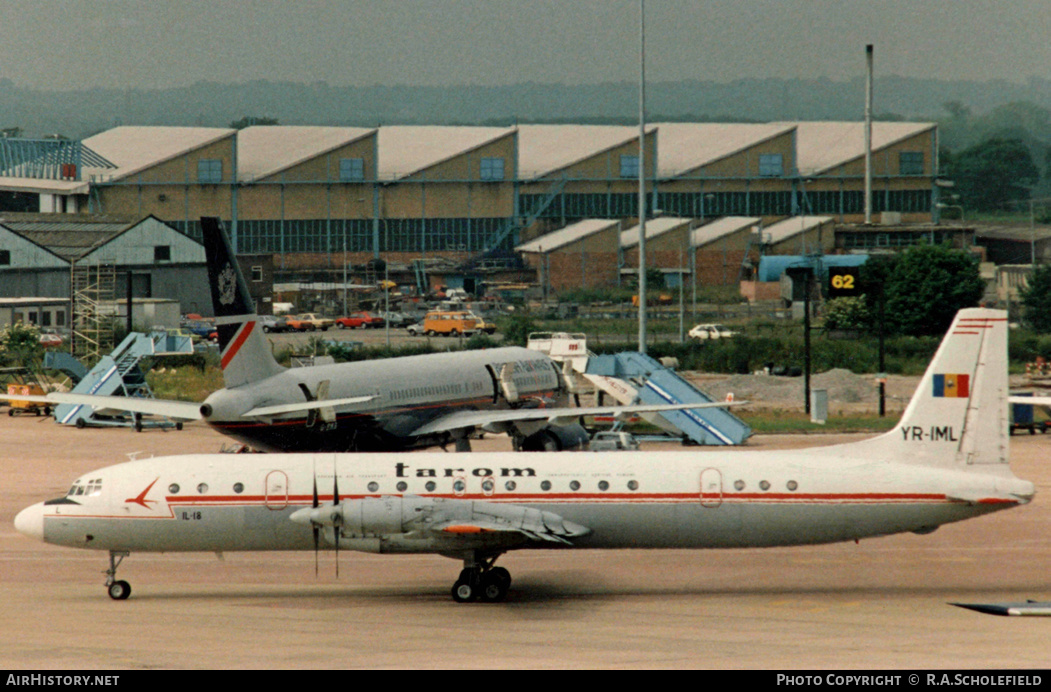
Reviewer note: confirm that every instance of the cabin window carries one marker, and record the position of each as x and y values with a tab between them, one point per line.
488	486
764	485
430	486
173	488
574	485
373	486
202	488
546	485
633	485
738	485
402	486
603	485
510	486
792	485
459	486
239	488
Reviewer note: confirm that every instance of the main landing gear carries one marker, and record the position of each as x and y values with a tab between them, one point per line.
480	580
118	590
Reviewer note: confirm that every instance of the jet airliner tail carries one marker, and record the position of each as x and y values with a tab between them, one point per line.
958	416
245	352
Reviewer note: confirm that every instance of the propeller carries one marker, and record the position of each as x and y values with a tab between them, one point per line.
337	516
314	526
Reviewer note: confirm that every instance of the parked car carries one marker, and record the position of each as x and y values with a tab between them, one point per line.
199	329
398	319
484	325
270	323
440	323
360	320
415	329
50	338
711	331
308	322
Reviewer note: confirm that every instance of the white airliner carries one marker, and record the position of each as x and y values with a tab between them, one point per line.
379	405
945	461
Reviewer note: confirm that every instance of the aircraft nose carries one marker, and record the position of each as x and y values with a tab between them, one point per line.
30	522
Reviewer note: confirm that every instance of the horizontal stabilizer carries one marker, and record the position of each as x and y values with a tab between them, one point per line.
266	411
1026	608
184	410
1032	400
470	419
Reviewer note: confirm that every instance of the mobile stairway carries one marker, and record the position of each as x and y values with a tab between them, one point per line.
635	378
119	374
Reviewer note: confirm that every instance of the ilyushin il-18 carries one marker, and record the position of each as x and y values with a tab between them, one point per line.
945	461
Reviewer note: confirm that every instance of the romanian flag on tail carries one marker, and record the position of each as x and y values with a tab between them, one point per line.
952	386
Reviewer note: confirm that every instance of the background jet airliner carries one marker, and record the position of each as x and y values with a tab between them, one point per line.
390	404
945	461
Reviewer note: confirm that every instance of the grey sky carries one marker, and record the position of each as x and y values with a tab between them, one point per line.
69	44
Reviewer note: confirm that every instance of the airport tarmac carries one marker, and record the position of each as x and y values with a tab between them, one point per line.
878	604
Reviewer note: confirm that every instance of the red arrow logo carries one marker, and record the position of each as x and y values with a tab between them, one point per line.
141	499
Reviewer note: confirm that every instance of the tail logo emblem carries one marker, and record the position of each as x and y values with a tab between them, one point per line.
952	386
227	285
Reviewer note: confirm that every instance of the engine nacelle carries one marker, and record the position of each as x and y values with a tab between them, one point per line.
556	438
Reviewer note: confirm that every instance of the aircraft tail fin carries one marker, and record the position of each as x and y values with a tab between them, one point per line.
958	417
245	352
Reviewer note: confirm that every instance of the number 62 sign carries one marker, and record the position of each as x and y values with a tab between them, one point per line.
842	281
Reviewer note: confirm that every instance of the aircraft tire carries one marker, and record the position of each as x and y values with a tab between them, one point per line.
495	584
119	590
464	591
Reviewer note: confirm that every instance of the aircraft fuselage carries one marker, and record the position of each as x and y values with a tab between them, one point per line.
626	500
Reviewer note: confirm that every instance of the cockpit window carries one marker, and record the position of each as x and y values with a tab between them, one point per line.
92	488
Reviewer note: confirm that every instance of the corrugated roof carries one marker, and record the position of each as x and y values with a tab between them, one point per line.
569	234
722	227
654	228
792	226
821	146
687	146
263	151
545	149
408	149
133	149
70	238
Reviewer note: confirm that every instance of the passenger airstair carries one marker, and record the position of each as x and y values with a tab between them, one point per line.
634	378
119	374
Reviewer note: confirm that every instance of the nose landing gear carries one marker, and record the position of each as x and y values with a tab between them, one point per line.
118	590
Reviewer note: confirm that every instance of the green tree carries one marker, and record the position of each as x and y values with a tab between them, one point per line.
926	286
250	120
993	173
1036	298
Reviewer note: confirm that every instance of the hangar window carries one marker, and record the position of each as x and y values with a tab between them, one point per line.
492	168
629	166
351	170
257	273
910	163
162	253
771	165
210	171
5	257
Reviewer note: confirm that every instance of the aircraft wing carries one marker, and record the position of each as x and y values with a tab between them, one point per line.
469	419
